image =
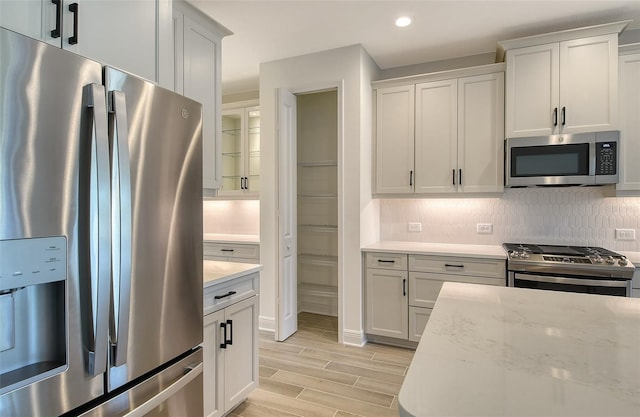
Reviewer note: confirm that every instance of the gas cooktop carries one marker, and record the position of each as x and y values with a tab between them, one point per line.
572	260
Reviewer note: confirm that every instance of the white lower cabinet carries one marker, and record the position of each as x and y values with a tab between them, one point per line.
387	303
231	252
418	317
401	289
635	283
230	347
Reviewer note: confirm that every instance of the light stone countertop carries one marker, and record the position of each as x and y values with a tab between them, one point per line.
217	272
442	249
230	238
498	351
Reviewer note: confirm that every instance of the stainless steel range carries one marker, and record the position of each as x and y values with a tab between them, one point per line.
582	269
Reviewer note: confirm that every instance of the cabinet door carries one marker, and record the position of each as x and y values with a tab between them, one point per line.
386	303
232	152
120	33
629	66
241	355
589	84
436	135
252	151
199	78
33	18
394	140
418	318
532	91
214	367
481	133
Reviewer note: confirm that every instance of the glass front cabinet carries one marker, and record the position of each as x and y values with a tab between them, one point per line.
240	152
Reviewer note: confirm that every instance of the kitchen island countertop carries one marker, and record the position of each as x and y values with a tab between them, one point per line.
497	351
217	272
441	249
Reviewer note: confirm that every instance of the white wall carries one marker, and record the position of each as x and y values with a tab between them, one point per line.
576	215
231	217
351	70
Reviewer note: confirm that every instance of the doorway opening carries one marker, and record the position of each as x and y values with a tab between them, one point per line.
317	211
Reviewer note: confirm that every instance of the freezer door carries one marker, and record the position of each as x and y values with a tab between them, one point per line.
47	125
157	267
174	391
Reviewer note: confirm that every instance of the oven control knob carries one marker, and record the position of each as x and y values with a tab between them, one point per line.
524	254
513	254
610	260
566	260
597	259
623	261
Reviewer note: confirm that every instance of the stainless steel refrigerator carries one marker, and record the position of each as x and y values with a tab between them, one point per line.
100	239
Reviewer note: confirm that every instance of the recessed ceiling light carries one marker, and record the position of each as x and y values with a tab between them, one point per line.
403	21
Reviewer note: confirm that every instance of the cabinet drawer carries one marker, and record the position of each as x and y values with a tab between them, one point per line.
424	287
494	268
230	250
396	261
230	292
418	317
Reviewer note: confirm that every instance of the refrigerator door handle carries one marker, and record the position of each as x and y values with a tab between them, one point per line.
190	373
99	229
121	224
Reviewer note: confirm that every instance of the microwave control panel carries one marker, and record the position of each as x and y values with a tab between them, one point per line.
606	158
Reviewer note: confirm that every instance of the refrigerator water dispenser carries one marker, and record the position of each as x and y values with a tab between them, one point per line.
33	309
7	324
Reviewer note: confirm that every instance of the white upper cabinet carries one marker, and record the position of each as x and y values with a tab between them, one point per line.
532	91
34	18
240	151
119	33
394	139
436	139
481	133
197	52
441	136
629	66
563	82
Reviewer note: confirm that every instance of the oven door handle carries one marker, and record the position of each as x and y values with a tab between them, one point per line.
571	281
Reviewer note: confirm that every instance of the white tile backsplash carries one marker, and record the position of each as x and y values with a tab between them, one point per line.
579	216
231	217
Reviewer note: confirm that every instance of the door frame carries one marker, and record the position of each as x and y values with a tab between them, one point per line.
310	89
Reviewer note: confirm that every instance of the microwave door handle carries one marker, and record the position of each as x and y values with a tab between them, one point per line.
592	159
121	226
99	226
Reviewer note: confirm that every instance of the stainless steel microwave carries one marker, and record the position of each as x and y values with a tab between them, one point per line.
558	160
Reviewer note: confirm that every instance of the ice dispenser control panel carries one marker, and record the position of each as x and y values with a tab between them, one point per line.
32	261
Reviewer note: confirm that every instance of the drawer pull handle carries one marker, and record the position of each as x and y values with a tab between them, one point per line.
386	261
453	266
226	250
230	293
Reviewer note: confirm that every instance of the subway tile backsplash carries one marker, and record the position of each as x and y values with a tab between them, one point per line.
578	216
231	217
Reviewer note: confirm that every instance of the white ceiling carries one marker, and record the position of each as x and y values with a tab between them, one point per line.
268	30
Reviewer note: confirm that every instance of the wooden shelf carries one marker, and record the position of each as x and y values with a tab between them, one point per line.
318	259
318	164
317	195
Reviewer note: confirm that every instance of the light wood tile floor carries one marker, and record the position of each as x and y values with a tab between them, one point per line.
311	375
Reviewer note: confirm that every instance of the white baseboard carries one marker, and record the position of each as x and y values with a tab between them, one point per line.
267	324
353	338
